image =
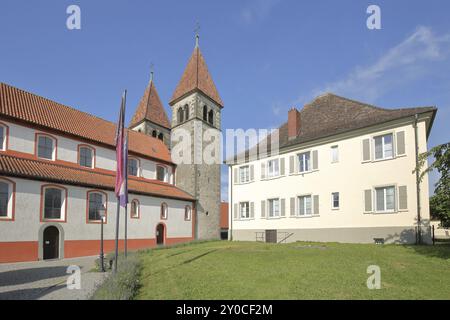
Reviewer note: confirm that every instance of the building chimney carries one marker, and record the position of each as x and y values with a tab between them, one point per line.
293	123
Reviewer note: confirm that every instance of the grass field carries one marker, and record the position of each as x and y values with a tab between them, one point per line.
244	270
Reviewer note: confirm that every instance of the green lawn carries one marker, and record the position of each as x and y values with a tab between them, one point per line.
248	270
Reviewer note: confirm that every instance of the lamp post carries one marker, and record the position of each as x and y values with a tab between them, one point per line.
101	211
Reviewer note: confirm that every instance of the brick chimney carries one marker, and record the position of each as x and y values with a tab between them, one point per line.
293	123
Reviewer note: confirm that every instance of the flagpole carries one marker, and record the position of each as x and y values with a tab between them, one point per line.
125	244
117	235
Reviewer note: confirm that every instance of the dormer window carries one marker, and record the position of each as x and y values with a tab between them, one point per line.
46	147
86	156
162	173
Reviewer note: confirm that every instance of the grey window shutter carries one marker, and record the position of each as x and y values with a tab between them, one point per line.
283	208
263	208
263	170
291	164
402	198
315	160
401	143
235	213
282	166
236	176
252	210
316	204
368	200
366	150
292	207
252	172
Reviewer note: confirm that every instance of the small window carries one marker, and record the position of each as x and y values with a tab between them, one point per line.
164	211
244	174
186	112
154	133
273	168
385	199
3	137
96	204
86	157
335	200
161	173
7	189
133	167
180	115
205	113
274	208
211	117
244	210
304	161
383	147
46	147
187	213
161	136
305	206
54	202
334	154
134	209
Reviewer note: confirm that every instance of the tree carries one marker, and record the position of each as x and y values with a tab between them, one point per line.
440	201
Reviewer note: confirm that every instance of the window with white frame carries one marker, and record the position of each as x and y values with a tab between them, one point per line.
274	208
6	199
54	200
135	208
334	154
46	147
86	157
305	205
304	161
385	199
164	211
96	203
335	200
244	210
244	174
187	213
161	173
3	137
273	168
384	147
133	167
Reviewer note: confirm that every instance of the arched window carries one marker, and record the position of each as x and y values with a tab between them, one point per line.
54	200
154	133
7	198
86	156
164	211
46	146
180	115
96	206
186	112
161	137
135	210
205	113
133	167
211	117
187	213
162	173
4	130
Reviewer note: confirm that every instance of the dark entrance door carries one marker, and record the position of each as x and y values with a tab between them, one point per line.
160	234
51	243
271	236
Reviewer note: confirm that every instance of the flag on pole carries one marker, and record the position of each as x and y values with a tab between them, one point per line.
120	139
123	194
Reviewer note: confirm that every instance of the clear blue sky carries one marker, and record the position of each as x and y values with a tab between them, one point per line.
265	55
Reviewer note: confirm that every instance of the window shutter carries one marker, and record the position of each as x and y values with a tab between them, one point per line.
366	150
263	208
401	143
283	208
236	176
316	204
368	200
252	210
402	198
292	207
263	170
235	213
282	166
252	172
315	160
291	164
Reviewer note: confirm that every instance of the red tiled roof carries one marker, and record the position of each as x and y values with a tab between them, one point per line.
48	171
196	77
224	215
24	106
150	108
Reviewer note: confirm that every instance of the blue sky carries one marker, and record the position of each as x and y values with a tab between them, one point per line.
265	55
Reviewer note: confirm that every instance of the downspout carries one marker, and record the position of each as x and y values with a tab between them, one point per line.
416	138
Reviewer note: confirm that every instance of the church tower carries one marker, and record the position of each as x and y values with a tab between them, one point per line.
150	117
196	107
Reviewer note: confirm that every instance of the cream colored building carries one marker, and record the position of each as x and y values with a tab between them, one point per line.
344	173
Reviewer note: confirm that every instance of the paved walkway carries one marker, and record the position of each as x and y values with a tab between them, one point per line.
46	280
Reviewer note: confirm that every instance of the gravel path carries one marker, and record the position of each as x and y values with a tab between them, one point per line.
46	280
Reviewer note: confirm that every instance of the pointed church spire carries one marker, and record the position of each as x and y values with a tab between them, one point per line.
150	107
196	77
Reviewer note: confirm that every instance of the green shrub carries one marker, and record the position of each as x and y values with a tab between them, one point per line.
124	284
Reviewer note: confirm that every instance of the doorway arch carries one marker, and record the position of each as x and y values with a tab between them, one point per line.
51	243
160	234
41	242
